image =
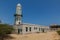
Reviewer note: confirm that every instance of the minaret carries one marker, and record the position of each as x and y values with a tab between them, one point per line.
18	14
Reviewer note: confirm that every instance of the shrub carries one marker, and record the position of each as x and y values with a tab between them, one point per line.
5	29
58	32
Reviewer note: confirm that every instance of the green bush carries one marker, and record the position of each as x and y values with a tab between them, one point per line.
5	29
58	32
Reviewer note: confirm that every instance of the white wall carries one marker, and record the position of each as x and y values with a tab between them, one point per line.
32	28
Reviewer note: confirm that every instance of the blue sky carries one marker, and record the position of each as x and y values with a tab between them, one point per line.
43	12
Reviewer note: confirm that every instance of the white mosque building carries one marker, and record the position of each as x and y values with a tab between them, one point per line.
24	28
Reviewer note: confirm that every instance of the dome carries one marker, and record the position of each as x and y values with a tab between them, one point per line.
18	4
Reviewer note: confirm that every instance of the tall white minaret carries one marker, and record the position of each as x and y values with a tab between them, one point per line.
18	14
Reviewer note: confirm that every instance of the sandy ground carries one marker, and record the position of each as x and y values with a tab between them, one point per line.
36	36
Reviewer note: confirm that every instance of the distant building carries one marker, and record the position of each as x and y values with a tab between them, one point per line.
24	28
55	27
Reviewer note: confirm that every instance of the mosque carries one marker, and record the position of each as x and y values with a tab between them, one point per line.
24	28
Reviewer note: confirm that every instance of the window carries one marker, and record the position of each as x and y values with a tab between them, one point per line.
39	29
26	29
29	28
35	28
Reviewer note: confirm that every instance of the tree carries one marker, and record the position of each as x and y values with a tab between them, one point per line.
5	29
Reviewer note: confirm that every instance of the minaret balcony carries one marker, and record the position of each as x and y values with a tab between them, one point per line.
18	15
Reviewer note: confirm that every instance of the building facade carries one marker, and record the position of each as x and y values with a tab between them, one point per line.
24	28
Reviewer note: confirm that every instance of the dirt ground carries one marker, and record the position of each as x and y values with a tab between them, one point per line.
36	36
